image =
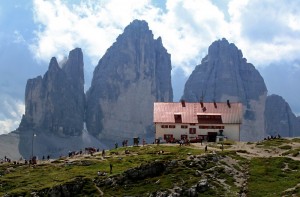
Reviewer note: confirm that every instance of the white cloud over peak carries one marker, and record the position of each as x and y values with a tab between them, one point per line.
265	31
11	113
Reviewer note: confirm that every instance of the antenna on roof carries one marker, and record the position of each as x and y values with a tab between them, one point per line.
201	99
215	104
228	104
182	102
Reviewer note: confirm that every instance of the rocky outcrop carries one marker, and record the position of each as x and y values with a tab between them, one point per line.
55	103
53	122
77	187
225	75
133	74
279	118
209	170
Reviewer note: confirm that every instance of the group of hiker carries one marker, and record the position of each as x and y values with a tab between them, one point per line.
6	159
270	137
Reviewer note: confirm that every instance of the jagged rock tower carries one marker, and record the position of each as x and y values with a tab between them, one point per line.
279	118
133	74
225	75
55	103
54	110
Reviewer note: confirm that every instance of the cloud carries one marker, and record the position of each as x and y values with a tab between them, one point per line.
18	38
265	31
186	27
10	113
91	25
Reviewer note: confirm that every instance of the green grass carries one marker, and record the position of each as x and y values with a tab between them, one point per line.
24	178
285	147
293	152
296	140
273	143
268	176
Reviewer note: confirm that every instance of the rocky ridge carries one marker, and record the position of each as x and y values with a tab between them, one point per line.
224	74
55	102
53	123
279	118
133	74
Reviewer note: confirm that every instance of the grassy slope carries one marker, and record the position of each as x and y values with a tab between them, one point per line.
267	176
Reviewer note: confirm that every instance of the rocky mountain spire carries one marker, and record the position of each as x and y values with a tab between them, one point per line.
134	72
55	103
225	75
279	118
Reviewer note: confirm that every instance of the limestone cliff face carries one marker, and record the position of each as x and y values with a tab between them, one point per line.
279	118
225	75
134	72
55	102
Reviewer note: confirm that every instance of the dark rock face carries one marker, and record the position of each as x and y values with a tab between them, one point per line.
55	103
279	118
144	171
224	74
134	72
77	187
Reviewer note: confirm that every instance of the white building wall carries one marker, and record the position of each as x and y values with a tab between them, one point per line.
232	131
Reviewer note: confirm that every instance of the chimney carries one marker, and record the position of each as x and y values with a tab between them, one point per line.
182	102
201	103
228	104
215	104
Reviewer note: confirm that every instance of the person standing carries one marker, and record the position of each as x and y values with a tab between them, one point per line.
110	168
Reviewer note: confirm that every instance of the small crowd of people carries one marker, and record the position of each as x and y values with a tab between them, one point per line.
6	159
270	137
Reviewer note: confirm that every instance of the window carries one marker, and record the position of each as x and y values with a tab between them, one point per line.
168	137
183	137
184	126
203	127
164	126
177	118
210	127
172	126
213	119
192	130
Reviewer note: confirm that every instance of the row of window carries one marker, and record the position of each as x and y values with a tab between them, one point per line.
169	137
186	126
201	118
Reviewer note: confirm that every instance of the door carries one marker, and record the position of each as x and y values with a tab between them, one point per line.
211	136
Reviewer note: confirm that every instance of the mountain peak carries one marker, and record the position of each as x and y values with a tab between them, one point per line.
224	74
223	49
279	118
137	24
133	74
53	65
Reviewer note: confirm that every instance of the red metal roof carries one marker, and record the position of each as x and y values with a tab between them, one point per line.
164	112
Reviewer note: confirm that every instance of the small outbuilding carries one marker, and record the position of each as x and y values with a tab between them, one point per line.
197	121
